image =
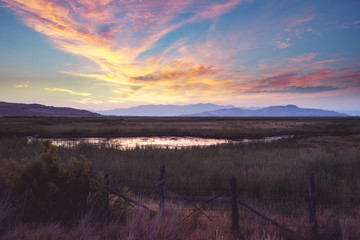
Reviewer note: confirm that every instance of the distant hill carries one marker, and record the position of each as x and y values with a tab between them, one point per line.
164	110
273	111
21	109
350	112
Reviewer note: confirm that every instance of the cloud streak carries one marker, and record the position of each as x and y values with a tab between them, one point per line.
303	58
67	91
23	85
86	101
300	89
283	45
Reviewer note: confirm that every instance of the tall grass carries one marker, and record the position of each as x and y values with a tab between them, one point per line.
277	171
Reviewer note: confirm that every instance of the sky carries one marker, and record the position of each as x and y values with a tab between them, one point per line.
105	54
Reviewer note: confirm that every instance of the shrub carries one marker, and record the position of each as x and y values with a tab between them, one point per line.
49	188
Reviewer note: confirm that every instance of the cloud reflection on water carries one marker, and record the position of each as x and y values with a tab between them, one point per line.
128	143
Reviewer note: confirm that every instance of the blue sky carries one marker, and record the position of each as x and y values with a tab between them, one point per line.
102	54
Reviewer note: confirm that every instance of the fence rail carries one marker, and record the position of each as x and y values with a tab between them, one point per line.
233	199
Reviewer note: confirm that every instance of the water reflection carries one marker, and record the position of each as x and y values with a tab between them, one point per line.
124	143
127	143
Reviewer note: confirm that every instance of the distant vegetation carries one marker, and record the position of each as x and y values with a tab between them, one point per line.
219	127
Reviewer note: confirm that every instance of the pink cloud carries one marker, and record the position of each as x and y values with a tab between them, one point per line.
327	61
265	66
283	45
300	21
215	9
300	75
304	57
294	29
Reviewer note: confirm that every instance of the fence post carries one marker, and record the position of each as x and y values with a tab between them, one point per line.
162	188
312	204
234	206
106	203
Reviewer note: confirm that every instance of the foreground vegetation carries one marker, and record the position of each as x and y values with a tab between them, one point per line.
272	177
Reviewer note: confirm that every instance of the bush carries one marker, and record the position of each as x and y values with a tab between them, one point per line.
49	188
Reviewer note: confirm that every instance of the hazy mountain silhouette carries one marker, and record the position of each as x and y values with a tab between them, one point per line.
164	110
350	112
21	109
192	110
273	111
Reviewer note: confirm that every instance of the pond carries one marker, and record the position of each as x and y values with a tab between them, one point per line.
127	143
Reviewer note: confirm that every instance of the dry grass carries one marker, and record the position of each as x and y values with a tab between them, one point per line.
172	224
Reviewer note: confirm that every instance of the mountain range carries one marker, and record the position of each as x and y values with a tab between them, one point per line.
273	111
164	110
192	110
21	109
213	110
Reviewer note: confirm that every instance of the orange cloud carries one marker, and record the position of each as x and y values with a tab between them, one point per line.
177	73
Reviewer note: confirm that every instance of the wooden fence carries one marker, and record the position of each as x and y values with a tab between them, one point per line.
235	201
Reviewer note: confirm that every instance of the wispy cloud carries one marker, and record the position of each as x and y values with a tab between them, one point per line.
67	91
295	27
300	89
283	45
216	9
88	101
304	57
23	85
299	21
352	24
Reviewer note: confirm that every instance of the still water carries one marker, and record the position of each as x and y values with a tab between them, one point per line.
127	143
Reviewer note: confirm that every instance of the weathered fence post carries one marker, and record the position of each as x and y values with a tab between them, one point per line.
106	203
234	206
161	185
312	204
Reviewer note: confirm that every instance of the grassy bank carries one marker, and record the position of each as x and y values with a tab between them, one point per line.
176	126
